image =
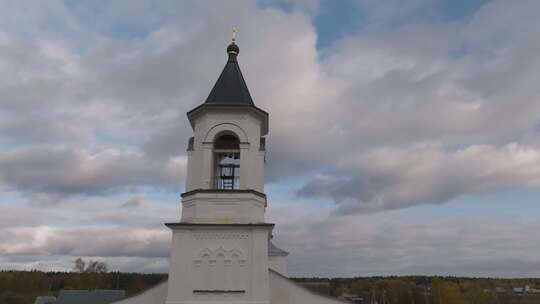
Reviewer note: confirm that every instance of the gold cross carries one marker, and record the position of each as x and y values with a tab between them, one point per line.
234	31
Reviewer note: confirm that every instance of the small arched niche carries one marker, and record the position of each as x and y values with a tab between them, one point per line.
226	161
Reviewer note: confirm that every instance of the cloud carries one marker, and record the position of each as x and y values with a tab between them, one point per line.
426	96
49	249
106	242
319	243
130	96
83	211
128	239
135	201
426	174
33	129
397	244
44	169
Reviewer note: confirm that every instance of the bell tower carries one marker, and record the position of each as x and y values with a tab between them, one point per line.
219	248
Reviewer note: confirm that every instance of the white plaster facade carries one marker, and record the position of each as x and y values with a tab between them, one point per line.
278	264
244	123
282	291
224	208
219	263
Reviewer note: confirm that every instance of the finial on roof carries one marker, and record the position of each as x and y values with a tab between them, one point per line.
230	88
233	49
234	31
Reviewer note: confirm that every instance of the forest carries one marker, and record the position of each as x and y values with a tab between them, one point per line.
22	287
429	289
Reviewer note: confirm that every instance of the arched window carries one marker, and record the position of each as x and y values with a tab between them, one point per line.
226	162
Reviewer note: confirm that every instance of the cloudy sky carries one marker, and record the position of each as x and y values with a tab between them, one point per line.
404	135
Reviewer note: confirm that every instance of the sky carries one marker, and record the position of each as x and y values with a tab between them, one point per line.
404	135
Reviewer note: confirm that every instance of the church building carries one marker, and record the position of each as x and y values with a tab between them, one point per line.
221	248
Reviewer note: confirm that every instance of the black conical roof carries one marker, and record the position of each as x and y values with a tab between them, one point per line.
231	92
230	88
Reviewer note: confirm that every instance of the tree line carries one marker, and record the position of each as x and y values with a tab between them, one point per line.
22	287
428	289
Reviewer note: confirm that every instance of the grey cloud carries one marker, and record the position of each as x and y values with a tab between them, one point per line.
14	214
74	171
397	244
135	92
33	129
320	244
99	242
135	201
169	141
84	211
395	178
399	92
371	91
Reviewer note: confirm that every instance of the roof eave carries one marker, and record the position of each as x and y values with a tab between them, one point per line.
192	114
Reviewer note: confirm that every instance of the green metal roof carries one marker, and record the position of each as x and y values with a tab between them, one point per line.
97	296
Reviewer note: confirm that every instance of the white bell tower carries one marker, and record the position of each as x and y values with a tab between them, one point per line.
219	248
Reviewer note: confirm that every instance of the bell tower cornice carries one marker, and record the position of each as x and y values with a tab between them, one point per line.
254	110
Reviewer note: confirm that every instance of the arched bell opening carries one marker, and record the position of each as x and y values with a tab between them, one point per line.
226	162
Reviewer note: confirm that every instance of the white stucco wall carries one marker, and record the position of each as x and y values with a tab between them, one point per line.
223	208
221	257
278	263
247	128
282	291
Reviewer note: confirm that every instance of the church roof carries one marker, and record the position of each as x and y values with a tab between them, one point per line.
45	300
230	92
89	296
230	88
273	250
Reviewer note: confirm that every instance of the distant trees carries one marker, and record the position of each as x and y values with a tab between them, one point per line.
12	298
91	275
429	290
22	287
82	266
443	292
